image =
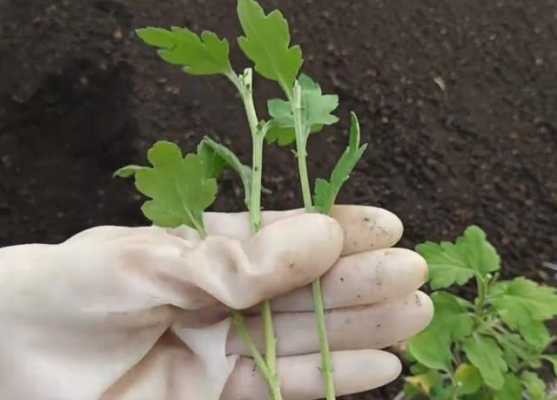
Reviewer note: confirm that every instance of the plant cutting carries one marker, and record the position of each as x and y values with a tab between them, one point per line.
485	349
181	187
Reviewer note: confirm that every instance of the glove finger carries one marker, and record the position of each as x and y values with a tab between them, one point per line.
301	379
365	228
376	326
361	279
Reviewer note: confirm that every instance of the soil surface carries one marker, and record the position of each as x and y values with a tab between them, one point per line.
458	101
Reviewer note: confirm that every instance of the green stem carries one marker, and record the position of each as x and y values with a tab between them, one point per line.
271	350
199	227
244	84
301	141
256	175
241	327
326	358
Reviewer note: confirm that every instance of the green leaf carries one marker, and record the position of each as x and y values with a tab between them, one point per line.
281	136
218	157
534	385
198	55
536	334
481	395
267	44
511	390
516	349
411	391
327	191
482	256
127	171
317	111
442	393
416	368
468	379
451	322
539	301
451	263
178	186
447	264
523	305
484	353
214	164
511	357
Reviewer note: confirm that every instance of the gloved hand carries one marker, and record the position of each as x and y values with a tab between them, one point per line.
141	313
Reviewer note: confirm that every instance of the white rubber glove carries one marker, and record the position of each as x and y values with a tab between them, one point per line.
141	313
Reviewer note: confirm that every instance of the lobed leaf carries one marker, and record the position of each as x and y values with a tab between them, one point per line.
456	263
484	353
523	305
266	42
511	390
327	191
317	111
482	256
447	264
178	187
203	54
539	301
516	350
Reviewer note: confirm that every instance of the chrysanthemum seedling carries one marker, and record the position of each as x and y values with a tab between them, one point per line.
487	348
181	188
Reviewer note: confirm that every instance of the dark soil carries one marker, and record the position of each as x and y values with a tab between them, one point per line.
458	101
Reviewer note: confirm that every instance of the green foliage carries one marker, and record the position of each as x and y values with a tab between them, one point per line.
198	55
221	157
535	386
316	112
484	353
456	263
523	306
178	186
487	349
266	42
468	379
326	191
512	389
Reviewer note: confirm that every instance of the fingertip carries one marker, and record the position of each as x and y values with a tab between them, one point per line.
391	367
367	228
414	265
422	268
363	370
426	309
